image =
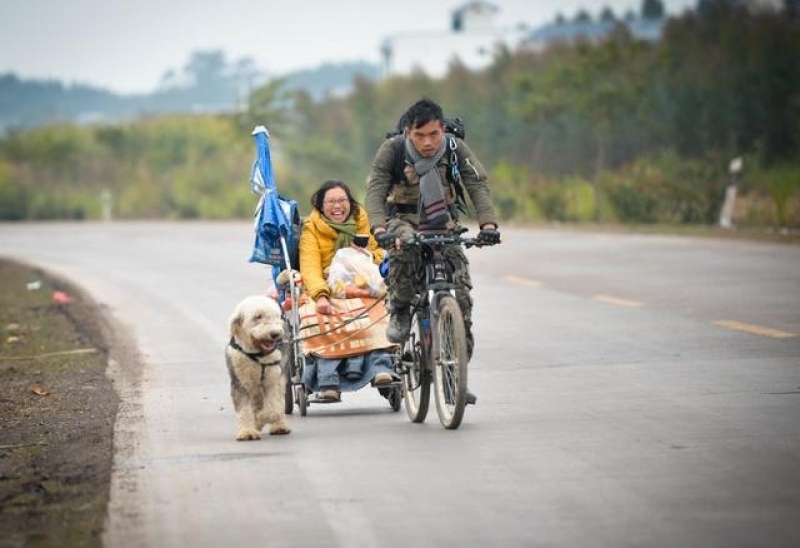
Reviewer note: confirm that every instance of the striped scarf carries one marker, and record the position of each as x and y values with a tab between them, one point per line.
433	211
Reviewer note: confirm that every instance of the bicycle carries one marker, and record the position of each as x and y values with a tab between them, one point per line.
436	348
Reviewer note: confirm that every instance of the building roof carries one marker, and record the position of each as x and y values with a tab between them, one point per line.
476	7
643	29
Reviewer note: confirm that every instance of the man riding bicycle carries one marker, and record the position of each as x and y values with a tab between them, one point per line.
422	195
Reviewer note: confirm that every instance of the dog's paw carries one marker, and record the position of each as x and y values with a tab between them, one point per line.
246	434
279	430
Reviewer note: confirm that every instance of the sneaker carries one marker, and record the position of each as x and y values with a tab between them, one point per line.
399	325
382	379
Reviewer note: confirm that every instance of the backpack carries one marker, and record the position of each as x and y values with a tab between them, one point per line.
453	128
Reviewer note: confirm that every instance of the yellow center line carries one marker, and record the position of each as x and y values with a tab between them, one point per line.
522	281
755	329
616	301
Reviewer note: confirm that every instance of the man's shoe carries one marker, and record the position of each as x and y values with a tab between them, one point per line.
399	325
472	399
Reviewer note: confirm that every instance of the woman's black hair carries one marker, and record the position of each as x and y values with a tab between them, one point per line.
318	197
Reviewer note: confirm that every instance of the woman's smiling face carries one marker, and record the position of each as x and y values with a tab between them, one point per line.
336	205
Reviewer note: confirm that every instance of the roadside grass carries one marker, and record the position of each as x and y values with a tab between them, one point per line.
57	412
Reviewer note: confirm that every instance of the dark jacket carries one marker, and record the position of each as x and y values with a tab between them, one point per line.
384	193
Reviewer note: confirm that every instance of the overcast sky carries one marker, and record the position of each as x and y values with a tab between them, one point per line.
127	45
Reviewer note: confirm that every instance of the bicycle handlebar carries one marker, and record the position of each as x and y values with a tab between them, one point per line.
438	237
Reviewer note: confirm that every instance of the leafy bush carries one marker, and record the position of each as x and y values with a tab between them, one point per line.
665	189
511	193
579	199
13	196
769	195
170	167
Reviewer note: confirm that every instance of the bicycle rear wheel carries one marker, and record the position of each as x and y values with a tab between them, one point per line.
450	363
416	373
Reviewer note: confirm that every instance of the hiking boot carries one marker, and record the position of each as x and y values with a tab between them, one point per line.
399	325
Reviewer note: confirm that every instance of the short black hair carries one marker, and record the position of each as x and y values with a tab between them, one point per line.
422	112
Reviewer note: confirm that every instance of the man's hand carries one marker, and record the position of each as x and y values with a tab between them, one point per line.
384	239
489	235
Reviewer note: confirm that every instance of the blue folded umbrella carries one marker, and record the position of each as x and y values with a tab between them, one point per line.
277	220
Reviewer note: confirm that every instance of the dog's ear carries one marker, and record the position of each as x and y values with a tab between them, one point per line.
236	320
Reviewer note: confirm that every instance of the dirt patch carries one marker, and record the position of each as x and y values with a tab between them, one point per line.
57	412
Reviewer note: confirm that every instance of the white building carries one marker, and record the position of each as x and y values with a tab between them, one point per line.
472	38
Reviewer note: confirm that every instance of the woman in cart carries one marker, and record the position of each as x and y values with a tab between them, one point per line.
343	356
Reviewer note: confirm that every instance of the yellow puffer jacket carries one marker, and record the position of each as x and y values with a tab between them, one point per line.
316	250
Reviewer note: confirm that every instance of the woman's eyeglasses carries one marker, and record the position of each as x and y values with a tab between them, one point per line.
337	201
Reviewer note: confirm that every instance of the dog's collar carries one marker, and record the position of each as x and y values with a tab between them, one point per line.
254	356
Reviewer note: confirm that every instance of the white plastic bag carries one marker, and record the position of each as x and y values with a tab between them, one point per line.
353	274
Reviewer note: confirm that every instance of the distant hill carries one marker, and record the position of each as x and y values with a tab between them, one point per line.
31	103
331	78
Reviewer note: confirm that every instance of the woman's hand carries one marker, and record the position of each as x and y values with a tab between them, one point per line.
324	305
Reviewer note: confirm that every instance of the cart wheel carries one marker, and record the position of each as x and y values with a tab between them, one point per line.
288	398
302	400
396	398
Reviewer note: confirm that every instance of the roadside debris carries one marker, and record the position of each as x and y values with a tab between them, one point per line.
39	390
61	298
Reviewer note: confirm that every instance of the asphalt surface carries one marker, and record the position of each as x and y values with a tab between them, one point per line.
632	391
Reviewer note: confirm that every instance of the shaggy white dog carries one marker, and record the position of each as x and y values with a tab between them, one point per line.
254	361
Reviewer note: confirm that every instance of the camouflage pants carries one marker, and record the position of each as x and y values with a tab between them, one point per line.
404	264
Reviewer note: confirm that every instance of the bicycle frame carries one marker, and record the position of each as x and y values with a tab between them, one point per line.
435	309
435	281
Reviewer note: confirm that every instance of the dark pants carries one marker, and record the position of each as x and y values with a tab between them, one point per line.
404	264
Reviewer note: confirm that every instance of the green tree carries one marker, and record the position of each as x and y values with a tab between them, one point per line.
652	9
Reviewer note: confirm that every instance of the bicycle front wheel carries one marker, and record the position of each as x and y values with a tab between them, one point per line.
416	372
450	363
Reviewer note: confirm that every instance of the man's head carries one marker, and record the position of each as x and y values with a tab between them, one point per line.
424	125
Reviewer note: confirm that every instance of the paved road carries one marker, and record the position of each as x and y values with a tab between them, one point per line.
633	391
